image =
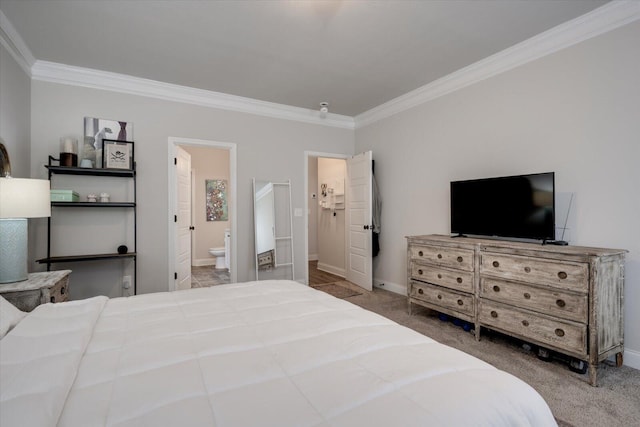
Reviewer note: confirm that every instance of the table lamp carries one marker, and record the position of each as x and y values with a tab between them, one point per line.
20	199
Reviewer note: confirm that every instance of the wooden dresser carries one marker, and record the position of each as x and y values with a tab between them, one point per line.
564	298
39	288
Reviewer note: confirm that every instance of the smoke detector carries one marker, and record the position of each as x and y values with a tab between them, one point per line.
324	109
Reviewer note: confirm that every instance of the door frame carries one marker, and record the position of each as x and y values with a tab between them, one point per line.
307	155
172	199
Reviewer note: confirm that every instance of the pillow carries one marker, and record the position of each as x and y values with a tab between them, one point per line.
9	316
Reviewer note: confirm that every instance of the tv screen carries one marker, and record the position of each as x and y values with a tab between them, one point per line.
512	206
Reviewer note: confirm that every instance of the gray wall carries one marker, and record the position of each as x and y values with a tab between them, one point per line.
15	114
268	149
575	112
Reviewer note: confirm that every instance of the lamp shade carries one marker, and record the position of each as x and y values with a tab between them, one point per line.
24	198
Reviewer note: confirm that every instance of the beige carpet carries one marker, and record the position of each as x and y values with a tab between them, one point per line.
337	289
615	402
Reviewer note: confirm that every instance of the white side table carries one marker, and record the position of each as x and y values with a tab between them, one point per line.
39	288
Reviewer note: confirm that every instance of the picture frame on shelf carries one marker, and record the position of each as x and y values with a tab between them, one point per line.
117	154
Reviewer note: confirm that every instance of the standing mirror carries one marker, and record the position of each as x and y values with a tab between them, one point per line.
273	228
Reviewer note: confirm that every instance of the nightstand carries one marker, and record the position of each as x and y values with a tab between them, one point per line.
39	288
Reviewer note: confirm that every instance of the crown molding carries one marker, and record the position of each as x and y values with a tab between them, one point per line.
601	20
11	40
104	80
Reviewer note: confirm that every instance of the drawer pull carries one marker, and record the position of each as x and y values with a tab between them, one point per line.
527	269
439	276
560	303
527	295
559	332
52	299
459	259
420	272
494	314
460	302
63	290
439	256
562	275
525	323
439	296
420	291
496	288
459	280
420	253
496	264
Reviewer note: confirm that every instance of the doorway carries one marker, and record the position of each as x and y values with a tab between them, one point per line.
211	216
337	227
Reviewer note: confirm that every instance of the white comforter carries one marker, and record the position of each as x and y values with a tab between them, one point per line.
272	353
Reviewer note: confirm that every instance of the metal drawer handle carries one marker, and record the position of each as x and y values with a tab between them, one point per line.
527	269
527	295
560	303
439	296
525	323
496	264
439	256
494	314
562	275
496	288
459	280
420	253
420	291
53	299
559	332
420	272
439	276
460	302
459	259
63	290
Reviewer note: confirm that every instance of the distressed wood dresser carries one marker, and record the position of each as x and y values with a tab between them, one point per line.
39	288
564	298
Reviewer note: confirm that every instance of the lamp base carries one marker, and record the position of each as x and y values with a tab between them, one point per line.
14	237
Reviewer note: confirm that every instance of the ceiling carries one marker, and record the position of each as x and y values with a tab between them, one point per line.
355	55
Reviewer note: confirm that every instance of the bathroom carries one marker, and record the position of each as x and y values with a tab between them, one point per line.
211	215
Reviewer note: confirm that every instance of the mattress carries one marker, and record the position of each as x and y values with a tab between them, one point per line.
268	353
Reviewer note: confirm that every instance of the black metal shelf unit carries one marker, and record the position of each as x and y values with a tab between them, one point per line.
122	173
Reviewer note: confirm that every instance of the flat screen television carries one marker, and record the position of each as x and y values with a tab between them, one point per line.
519	206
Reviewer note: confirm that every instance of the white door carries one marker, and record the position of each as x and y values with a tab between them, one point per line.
183	219
359	259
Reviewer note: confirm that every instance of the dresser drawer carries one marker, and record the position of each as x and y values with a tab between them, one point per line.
567	275
59	292
547	301
453	279
446	257
561	334
442	297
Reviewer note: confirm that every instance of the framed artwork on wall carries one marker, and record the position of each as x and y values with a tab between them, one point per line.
217	209
117	154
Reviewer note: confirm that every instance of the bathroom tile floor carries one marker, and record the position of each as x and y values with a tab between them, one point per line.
205	276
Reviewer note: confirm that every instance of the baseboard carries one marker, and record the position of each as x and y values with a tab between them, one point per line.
390	286
313	257
203	262
632	358
331	269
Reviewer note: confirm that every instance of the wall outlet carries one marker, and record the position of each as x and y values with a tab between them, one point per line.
126	282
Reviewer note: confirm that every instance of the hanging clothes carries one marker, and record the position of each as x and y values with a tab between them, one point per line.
376	203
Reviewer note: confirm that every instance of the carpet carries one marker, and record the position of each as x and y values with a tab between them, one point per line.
336	290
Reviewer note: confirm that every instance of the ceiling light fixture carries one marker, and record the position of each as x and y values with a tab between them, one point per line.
324	109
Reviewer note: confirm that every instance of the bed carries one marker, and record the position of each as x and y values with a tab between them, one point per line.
269	353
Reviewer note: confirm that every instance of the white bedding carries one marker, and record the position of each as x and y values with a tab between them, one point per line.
270	353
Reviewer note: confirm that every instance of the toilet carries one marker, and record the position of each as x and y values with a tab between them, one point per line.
222	253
